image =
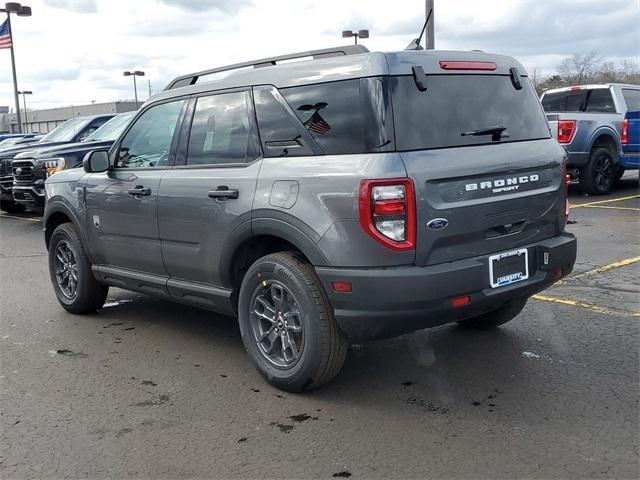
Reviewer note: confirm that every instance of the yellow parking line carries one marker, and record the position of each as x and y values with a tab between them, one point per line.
612	208
604	268
599	202
21	218
588	306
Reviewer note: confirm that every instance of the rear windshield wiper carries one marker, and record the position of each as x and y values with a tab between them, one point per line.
496	132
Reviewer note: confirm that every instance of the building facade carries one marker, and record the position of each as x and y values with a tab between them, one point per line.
43	121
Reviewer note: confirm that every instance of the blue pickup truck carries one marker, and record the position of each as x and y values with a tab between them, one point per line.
587	120
630	157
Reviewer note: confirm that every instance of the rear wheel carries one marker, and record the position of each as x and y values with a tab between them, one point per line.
599	175
70	270
10	206
495	318
287	324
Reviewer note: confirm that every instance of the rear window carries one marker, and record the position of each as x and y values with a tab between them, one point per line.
597	100
455	104
632	99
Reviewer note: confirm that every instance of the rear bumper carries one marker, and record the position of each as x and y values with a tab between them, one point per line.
577	159
630	160
390	301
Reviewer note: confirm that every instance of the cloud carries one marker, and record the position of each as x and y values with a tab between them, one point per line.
226	6
79	6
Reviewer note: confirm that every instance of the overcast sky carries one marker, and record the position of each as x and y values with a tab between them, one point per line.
74	51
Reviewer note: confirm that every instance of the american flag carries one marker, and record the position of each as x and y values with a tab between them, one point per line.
317	124
5	35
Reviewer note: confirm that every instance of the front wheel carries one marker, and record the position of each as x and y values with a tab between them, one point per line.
287	324
495	318
70	270
599	175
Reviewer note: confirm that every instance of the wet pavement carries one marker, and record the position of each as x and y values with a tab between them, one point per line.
150	389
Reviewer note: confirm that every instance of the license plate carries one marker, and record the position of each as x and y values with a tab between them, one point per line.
508	267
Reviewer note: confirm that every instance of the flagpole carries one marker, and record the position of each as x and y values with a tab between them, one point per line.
15	78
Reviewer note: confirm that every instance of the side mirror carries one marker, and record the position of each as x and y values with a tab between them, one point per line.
96	161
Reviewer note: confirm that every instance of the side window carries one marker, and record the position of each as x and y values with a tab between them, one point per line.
632	99
222	130
600	100
280	132
148	141
331	112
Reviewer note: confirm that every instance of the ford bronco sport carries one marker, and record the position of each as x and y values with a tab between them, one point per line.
346	197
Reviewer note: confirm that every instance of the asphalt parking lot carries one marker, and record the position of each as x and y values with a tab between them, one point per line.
150	389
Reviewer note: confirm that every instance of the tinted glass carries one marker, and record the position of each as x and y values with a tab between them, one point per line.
632	99
112	129
600	100
566	101
280	132
454	104
221	131
148	141
342	117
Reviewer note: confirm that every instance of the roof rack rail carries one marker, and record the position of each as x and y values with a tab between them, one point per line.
192	78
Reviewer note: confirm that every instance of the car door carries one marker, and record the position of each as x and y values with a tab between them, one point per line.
209	193
122	202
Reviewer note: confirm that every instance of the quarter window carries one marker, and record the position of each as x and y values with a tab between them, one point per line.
601	101
148	141
632	99
222	130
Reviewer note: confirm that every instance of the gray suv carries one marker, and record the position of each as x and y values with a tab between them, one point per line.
346	196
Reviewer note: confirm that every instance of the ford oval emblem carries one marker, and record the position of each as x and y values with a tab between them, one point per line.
438	224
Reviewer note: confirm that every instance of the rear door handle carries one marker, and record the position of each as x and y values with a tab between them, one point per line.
140	191
222	192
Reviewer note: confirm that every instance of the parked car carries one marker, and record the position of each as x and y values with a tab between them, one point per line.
587	121
630	157
22	140
33	167
354	196
73	130
4	136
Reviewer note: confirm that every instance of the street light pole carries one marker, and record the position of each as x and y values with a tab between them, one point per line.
134	74
355	35
22	11
24	94
430	36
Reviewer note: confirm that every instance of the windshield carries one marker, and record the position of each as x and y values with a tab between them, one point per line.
66	131
453	105
112	129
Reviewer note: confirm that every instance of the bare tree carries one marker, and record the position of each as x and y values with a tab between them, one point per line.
579	67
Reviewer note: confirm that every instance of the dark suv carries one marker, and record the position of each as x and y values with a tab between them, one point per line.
73	130
31	168
348	197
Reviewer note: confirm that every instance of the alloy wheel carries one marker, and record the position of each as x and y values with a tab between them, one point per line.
66	269
276	322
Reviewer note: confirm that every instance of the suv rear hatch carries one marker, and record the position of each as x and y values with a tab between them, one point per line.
496	190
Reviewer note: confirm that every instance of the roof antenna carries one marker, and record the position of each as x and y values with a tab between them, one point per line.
415	43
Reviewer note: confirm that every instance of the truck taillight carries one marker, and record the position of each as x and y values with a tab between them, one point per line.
388	212
566	130
624	135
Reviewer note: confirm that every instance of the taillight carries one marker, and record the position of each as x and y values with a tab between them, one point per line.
624	136
388	212
566	130
567	181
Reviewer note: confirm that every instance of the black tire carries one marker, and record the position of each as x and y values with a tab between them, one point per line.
494	318
599	175
322	347
89	295
11	207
